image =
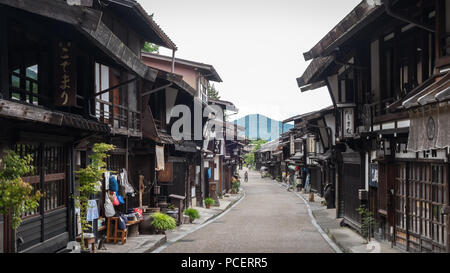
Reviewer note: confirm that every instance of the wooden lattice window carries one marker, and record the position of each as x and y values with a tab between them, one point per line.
48	176
421	192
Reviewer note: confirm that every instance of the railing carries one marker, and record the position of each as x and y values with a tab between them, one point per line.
118	116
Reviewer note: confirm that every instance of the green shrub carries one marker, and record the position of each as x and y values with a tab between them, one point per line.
235	187
192	213
162	222
209	201
367	221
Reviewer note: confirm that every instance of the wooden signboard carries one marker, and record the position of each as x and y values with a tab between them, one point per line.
166	175
66	78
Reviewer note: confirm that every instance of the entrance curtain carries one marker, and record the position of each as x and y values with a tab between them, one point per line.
429	128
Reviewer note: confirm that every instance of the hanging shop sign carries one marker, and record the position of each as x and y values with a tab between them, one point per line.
348	115
311	145
66	78
159	158
217	145
292	144
373	181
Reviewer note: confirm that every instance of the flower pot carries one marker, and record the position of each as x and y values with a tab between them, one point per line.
146	226
207	206
160	232
154	210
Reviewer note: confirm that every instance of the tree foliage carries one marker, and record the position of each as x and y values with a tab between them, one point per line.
88	182
213	94
250	157
367	221
151	48
16	196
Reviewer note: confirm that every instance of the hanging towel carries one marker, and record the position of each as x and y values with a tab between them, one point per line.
107	175
124	182
92	211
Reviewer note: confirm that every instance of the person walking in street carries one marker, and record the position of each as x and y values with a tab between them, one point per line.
246	176
288	182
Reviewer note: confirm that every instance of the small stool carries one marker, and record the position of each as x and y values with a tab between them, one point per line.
113	233
87	242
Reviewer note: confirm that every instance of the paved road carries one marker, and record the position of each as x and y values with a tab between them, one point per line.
268	220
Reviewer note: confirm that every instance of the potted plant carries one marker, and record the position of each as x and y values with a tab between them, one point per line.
209	202
162	222
192	213
367	222
88	179
16	196
235	185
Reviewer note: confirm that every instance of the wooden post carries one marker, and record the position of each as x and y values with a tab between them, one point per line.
4	70
141	189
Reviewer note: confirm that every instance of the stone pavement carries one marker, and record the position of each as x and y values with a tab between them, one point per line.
347	239
140	244
206	215
149	243
267	220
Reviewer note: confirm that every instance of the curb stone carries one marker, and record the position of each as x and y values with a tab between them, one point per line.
158	244
207	222
325	234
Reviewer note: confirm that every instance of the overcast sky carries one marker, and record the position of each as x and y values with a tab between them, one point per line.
256	47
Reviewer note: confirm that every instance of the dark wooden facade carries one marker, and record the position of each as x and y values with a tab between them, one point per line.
63	88
388	74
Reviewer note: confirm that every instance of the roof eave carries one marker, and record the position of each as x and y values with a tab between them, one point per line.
360	16
168	43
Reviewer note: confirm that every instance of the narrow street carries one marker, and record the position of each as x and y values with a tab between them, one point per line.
268	220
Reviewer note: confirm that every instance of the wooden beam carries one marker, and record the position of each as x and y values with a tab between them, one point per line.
20	111
4	71
106	40
59	10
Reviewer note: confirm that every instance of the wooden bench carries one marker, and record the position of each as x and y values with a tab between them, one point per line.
113	233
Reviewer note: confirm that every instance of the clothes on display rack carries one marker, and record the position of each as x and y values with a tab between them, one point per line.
123	177
113	184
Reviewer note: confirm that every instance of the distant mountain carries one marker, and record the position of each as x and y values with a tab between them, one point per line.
258	126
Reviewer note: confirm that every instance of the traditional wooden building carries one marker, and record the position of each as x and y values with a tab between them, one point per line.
385	66
186	86
310	146
221	148
269	155
70	76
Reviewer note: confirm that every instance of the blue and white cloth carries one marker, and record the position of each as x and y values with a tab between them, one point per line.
92	211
